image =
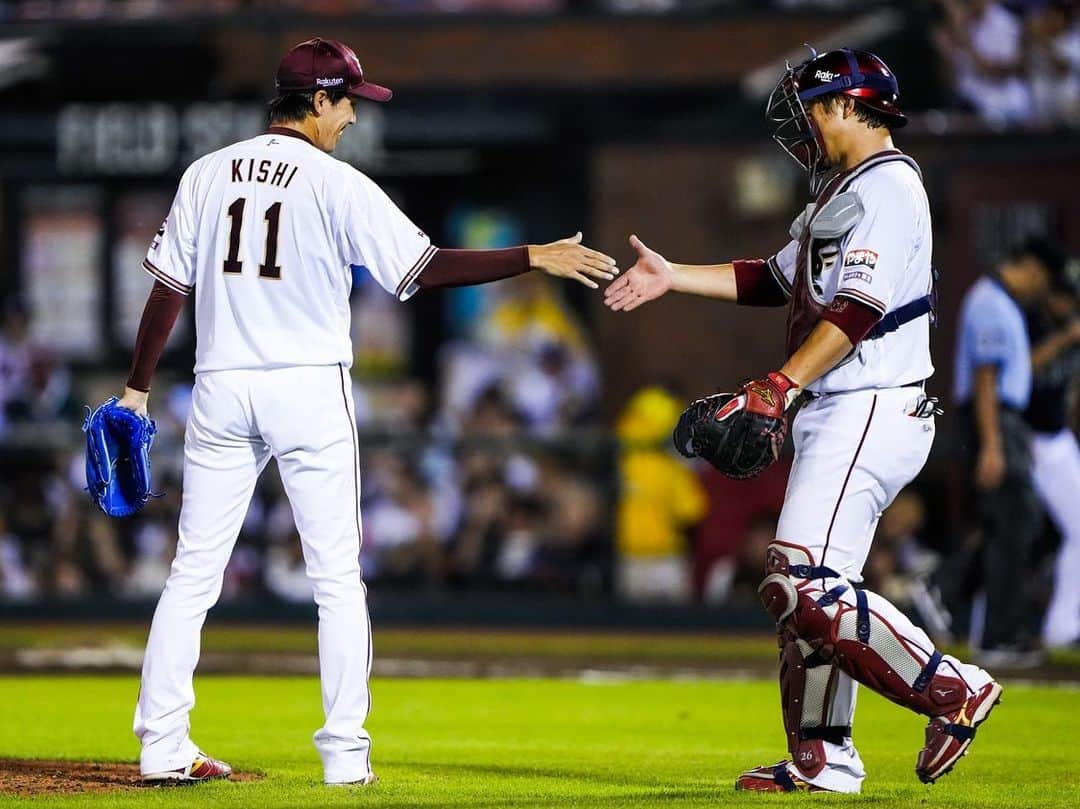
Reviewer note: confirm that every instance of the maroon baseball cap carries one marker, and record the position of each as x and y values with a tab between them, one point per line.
326	64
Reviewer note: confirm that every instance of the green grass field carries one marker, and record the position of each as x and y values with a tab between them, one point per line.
534	743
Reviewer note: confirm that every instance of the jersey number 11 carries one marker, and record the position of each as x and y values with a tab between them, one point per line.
268	268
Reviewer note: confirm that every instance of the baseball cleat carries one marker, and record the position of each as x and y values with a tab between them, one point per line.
203	768
366	781
948	737
775	778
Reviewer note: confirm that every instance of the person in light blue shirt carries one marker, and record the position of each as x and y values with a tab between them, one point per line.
992	389
993	339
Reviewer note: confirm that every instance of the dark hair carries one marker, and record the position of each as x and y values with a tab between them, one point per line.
1044	251
867	115
295	107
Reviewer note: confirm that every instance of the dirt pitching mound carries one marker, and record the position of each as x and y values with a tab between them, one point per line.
20	776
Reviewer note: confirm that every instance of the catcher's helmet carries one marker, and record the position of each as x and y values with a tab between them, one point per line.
855	73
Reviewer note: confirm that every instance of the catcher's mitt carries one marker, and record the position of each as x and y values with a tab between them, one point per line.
118	444
739	433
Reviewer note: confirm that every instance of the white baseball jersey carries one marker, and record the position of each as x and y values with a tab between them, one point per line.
855	453
883	262
264	231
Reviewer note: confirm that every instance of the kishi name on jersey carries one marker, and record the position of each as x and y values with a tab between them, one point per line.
273	172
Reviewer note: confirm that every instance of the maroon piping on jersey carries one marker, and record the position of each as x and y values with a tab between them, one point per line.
847	478
289	132
163	305
359	533
778	276
166	279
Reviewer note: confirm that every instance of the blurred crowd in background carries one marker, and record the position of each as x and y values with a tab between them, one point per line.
144	9
1014	65
1010	63
494	475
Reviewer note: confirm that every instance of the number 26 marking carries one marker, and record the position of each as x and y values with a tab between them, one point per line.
272	217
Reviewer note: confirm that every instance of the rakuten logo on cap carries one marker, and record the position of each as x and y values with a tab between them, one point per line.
322	64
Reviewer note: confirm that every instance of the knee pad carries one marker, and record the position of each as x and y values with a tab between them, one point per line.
778	594
783	593
784	561
781	557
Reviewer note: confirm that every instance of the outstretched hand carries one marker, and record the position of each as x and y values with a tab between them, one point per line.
649	278
569	258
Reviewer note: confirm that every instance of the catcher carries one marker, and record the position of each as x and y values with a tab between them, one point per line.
857	279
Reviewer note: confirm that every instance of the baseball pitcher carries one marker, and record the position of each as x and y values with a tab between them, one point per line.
262	233
857	279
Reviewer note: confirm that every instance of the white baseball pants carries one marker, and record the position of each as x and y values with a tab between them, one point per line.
854	452
1057	481
303	417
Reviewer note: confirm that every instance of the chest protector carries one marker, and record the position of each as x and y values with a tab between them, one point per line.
820	229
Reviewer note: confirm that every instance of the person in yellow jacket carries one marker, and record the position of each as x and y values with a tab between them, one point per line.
661	498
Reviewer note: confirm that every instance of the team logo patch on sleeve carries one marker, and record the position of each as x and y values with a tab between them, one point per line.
860	257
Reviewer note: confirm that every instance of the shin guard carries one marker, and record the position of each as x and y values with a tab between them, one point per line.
841	625
807	681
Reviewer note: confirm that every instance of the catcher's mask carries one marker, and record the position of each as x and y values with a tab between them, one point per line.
859	74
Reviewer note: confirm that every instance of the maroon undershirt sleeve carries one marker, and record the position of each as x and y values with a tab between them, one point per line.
158	317
852	317
459	268
755	284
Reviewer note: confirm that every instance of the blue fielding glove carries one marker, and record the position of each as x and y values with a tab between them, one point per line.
118	444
